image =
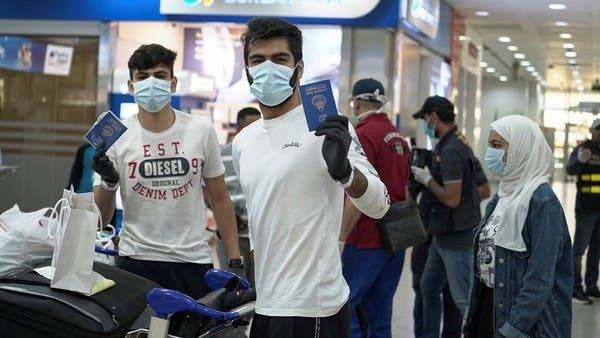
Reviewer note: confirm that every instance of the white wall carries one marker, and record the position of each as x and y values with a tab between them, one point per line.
366	53
499	99
130	35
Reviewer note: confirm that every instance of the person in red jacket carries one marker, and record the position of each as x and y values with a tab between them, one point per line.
371	272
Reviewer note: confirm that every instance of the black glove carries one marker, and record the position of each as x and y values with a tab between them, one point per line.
104	167
336	145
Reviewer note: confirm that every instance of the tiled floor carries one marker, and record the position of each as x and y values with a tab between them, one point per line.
586	318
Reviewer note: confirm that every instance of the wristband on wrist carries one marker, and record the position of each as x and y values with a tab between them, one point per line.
348	183
108	186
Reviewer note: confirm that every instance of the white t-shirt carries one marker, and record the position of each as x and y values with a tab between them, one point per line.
294	213
486	249
161	188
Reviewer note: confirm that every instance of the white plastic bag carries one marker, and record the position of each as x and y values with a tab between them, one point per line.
24	240
75	230
105	243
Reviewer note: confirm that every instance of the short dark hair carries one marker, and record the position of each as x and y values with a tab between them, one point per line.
270	28
149	56
248	111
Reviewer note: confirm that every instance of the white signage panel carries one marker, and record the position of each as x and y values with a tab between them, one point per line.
334	9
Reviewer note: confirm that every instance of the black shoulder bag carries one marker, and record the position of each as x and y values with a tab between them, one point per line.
401	227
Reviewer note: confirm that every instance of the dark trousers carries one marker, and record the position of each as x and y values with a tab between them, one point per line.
187	278
587	236
482	324
336	326
452	316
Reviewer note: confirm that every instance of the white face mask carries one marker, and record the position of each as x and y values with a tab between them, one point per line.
271	83
152	94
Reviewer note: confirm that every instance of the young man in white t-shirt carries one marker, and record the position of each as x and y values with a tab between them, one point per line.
294	182
159	164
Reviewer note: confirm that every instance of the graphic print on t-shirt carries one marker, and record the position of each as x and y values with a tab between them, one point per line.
486	251
164	172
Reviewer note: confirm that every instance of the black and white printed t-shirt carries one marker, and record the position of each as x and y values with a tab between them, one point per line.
486	250
161	188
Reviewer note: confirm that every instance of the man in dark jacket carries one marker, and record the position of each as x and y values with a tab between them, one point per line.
450	210
585	164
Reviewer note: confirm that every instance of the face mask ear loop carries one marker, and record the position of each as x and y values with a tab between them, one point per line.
294	77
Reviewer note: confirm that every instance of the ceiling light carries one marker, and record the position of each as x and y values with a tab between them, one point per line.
483	64
568	45
503	78
530	68
482	13
490	70
519	56
561	23
535	74
525	63
580	88
557	6
565	36
570	54
463	38
578	81
572	61
575	73
513	48
504	39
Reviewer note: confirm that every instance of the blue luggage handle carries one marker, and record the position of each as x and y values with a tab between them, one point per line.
217	279
166	302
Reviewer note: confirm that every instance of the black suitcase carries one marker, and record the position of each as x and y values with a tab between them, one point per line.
30	308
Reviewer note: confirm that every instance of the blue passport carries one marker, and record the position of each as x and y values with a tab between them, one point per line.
318	103
106	130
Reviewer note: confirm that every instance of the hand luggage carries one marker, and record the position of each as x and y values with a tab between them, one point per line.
30	308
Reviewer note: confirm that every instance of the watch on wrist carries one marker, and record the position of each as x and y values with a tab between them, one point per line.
236	263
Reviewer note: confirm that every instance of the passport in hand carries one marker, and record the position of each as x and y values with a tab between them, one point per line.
107	130
318	103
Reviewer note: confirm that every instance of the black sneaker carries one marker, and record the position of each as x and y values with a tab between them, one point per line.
593	292
580	297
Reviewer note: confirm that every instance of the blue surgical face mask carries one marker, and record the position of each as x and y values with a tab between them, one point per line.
429	130
152	94
271	83
494	162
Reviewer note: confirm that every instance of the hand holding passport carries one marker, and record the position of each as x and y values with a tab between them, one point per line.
318	103
106	131
322	117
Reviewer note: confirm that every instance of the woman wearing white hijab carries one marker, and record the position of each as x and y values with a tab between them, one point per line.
523	270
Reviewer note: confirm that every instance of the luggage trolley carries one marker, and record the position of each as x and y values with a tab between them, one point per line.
227	308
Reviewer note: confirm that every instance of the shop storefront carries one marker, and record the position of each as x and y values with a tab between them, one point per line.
43	115
344	40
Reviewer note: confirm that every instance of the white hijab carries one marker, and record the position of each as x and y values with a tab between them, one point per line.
529	164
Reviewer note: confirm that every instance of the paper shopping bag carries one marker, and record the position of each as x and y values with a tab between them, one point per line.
75	241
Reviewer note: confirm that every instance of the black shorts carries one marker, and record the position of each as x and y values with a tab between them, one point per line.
187	278
336	326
